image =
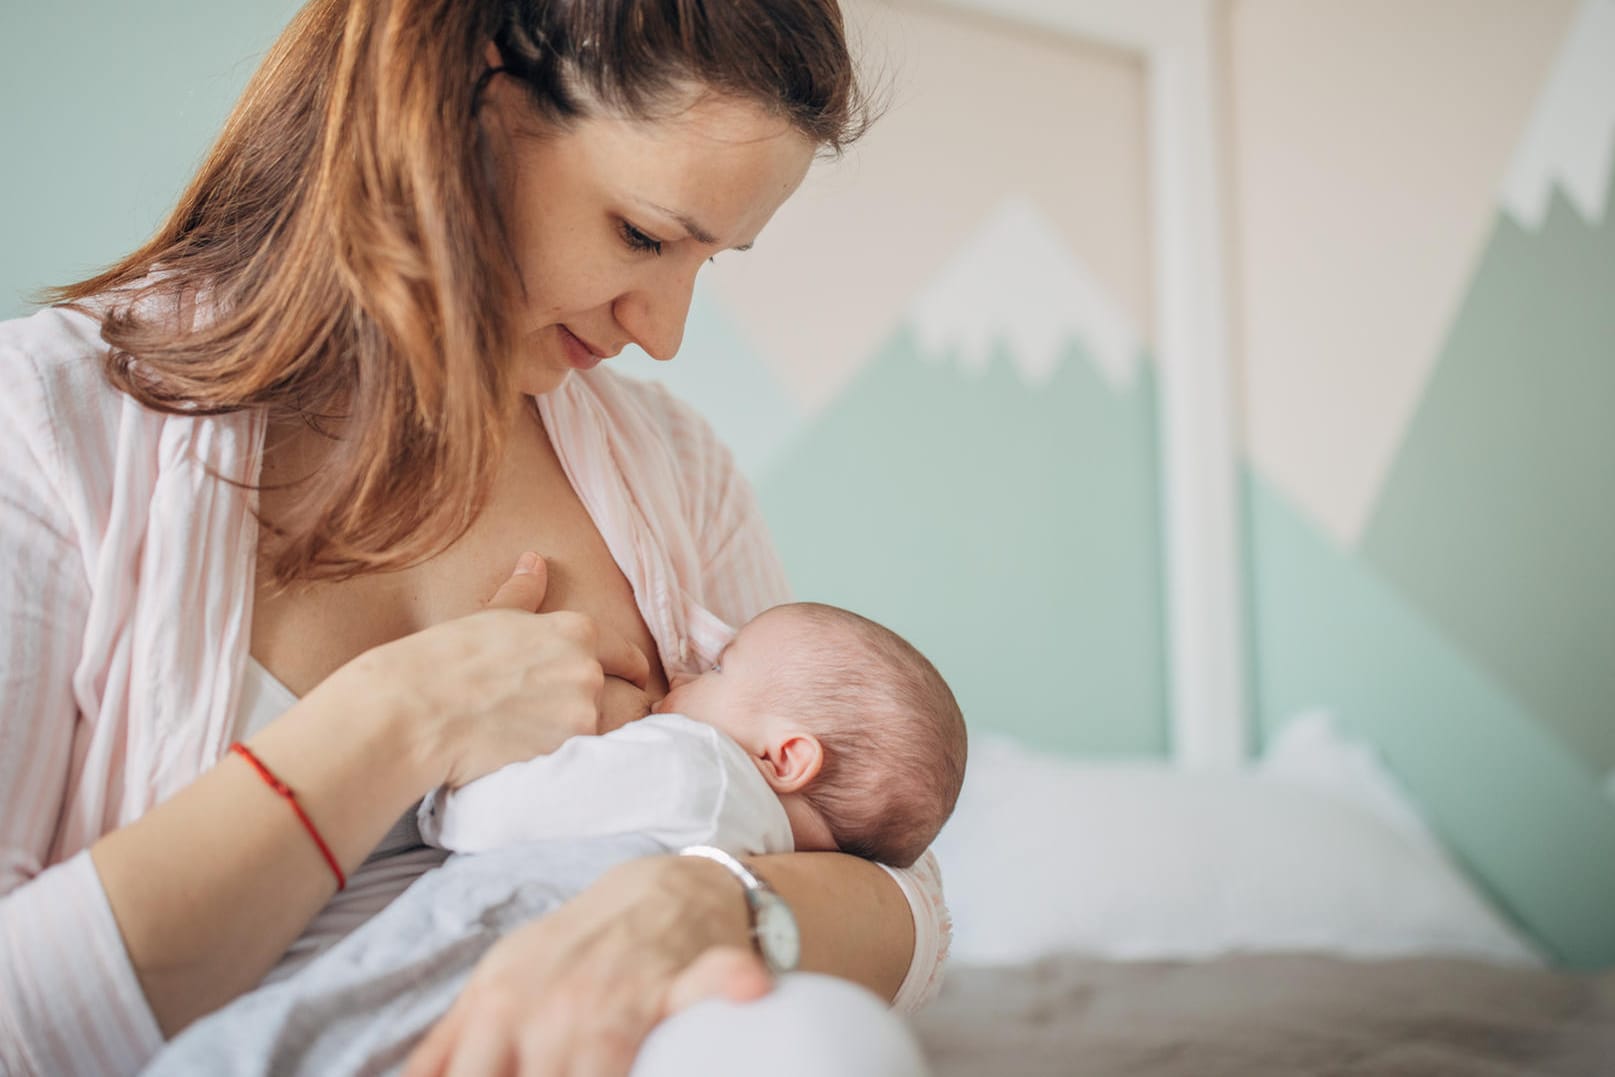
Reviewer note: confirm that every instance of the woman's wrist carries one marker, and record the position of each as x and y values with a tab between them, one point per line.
351	751
377	706
700	895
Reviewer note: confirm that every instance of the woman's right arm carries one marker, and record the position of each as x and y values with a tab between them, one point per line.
69	1002
194	902
210	887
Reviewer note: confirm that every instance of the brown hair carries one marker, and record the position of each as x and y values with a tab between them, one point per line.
893	737
343	236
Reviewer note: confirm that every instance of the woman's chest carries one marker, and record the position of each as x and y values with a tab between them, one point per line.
304	635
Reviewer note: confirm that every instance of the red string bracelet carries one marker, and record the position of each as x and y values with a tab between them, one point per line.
291	798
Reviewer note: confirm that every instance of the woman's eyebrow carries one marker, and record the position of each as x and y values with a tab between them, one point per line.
688	223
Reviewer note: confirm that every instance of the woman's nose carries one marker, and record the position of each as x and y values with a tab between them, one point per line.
654	316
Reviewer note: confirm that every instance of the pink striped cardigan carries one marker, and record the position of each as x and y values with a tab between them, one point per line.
126	621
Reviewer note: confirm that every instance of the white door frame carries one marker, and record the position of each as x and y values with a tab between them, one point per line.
1185	74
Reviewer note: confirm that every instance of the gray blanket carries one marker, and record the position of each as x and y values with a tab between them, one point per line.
1256	1016
360	1007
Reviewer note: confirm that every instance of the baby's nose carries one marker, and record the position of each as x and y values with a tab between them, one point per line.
679	680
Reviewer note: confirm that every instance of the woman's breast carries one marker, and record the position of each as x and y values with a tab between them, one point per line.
304	635
533	507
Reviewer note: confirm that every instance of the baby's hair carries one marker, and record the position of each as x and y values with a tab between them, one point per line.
893	737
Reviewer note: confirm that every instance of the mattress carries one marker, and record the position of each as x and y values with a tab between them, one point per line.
1256	1015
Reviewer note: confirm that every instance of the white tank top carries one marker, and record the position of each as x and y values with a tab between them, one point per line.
398	859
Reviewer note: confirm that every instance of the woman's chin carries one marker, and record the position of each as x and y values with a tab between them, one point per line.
537	381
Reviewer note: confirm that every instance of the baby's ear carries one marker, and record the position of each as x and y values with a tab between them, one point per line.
795	760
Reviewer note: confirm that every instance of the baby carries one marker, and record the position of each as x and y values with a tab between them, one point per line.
816	729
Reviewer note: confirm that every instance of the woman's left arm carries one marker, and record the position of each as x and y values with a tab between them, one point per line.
579	990
898	946
875	947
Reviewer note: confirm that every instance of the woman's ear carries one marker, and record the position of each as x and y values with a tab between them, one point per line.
794	760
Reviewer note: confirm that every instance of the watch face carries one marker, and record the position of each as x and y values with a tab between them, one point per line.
776	933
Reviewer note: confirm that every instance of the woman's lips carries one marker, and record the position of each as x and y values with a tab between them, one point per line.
578	354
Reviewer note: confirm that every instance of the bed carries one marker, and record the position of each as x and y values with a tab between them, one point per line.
1269	1014
1294	917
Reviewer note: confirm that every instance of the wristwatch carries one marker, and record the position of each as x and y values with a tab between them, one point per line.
773	925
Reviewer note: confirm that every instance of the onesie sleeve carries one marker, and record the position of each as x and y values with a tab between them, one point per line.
666	776
70	1001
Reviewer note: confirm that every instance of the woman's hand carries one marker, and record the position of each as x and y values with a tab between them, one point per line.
501	685
622	702
576	993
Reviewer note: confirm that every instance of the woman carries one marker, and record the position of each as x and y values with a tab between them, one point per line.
259	481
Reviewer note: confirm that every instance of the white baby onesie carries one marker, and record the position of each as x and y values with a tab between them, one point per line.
667	776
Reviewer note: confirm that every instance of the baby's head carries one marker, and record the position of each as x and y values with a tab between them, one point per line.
851	726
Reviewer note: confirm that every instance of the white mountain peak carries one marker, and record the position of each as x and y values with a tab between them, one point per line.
1014	281
1570	139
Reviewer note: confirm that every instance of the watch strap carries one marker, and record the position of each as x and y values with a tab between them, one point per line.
758	894
748	878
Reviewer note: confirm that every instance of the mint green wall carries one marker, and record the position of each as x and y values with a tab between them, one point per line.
1471	635
1512	800
108	108
1011	532
1498	518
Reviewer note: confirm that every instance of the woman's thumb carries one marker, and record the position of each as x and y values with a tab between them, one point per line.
525	588
726	972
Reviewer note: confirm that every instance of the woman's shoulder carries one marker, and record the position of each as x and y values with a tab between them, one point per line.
58	403
60	347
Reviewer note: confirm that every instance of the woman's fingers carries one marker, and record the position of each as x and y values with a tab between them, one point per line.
525	590
621	658
526	586
620	704
461	1045
484	1051
430	1057
722	972
607	1045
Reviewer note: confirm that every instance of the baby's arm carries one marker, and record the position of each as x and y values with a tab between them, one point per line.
665	776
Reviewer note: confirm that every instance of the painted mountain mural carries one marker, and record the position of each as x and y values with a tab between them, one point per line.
1010	532
721	376
1507	795
1498	518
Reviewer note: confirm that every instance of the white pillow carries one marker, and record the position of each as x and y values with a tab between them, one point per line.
1311	751
1140	861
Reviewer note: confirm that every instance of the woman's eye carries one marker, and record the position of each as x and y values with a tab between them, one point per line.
638	240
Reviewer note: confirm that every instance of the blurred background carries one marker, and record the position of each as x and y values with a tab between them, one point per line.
940	369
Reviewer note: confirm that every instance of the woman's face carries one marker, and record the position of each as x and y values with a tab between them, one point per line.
611	220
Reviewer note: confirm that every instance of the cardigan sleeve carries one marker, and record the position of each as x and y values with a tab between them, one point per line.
743	576
70	1001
